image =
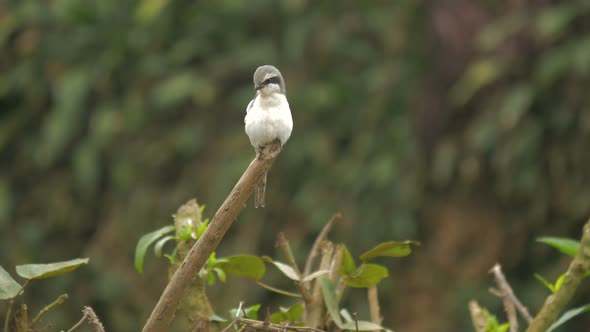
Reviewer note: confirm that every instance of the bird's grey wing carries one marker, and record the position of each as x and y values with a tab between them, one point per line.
250	104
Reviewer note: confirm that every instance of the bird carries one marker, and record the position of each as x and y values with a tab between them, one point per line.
268	117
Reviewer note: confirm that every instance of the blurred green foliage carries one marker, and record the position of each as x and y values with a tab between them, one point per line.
462	124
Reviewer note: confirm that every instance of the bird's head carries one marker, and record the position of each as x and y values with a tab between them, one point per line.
268	80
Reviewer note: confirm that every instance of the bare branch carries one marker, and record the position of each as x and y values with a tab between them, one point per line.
88	315
507	292
266	326
555	303
8	314
61	299
163	313
374	305
316	245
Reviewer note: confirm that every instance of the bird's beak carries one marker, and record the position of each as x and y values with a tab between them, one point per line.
258	86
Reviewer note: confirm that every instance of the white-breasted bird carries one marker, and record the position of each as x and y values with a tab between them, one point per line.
268	116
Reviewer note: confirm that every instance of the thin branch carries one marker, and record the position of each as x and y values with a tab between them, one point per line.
509	308
507	292
88	315
230	325
374	308
23	321
93	319
78	324
316	245
8	314
163	313
277	290
555	303
61	299
285	248
266	326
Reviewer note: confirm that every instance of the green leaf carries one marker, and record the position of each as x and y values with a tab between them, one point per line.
145	241
242	265
216	318
9	288
251	312
42	271
567	246
160	245
331	300
366	275
348	266
286	269
545	282
559	282
390	249
202	227
314	275
569	315
291	314
220	274
363	326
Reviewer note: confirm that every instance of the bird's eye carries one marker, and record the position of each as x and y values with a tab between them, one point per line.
266	81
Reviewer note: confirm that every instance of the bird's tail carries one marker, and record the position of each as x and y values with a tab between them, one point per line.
260	193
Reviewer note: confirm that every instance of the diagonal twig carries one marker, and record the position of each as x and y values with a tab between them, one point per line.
163	312
61	299
316	245
507	292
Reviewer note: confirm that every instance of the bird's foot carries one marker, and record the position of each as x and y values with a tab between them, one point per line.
270	150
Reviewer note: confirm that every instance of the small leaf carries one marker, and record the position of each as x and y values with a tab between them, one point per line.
242	265
331	300
9	288
363	326
41	271
569	315
545	282
559	282
348	266
291	314
286	269
220	274
251	312
202	227
316	274
159	246
567	246
216	318
390	249
367	275
350	324
145	241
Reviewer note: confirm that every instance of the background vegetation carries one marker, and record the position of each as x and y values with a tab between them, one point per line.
462	124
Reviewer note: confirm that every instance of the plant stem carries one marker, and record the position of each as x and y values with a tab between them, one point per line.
61	299
8	314
555	303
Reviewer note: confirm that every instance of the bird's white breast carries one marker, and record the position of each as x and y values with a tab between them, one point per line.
268	118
